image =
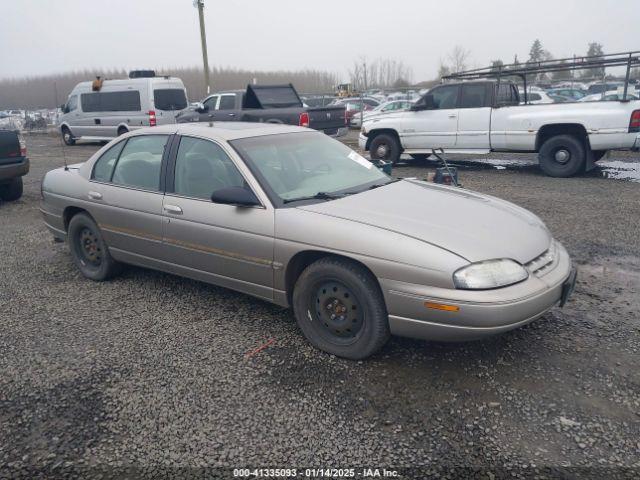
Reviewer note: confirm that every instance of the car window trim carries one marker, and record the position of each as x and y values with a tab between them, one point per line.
161	187
171	170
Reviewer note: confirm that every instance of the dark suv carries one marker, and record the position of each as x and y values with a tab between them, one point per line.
14	164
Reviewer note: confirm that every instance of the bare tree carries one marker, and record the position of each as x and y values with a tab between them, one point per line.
458	58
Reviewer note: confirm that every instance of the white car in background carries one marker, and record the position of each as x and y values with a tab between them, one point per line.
536	97
387	107
612	95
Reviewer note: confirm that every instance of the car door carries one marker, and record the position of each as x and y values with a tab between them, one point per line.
126	191
227	108
210	106
474	116
227	245
436	127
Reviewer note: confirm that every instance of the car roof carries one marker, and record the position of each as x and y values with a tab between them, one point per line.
224	130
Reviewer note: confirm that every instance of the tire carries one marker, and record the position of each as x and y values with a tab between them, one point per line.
385	147
562	156
122	131
12	190
339	307
598	154
89	251
67	137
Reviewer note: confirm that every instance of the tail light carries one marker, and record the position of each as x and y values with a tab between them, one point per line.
304	119
152	118
23	146
634	123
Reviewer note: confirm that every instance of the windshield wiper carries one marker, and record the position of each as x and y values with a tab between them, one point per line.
317	196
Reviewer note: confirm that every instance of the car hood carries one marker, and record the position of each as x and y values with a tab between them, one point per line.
473	226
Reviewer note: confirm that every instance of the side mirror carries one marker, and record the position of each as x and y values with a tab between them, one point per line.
200	107
239	196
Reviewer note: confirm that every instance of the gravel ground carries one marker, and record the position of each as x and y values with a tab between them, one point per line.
148	375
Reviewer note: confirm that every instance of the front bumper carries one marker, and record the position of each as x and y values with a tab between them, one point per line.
481	313
362	141
9	171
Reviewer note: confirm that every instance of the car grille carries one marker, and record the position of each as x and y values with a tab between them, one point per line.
544	263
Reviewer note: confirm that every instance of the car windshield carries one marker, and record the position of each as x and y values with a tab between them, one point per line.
308	164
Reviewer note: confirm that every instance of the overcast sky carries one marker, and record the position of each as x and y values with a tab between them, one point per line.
47	36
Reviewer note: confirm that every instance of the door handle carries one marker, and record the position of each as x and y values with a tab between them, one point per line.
452	115
174	209
231	114
210	115
94	195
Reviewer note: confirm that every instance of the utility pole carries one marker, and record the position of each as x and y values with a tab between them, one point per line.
203	39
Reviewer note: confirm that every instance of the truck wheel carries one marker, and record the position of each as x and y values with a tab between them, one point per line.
12	190
122	131
340	309
67	137
562	156
385	147
89	252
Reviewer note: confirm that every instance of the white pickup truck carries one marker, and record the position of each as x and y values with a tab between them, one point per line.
478	117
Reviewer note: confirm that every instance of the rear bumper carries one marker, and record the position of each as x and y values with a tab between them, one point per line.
481	313
13	170
636	144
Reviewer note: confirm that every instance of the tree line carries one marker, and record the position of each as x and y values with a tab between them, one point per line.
49	91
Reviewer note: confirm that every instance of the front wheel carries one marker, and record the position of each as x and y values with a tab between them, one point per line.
385	147
88	249
340	309
12	190
562	156
67	137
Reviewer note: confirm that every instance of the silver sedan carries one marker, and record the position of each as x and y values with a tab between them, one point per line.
294	217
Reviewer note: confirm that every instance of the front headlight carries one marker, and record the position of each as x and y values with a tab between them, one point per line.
489	274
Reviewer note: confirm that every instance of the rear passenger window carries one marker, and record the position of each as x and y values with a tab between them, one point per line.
139	162
127	101
473	96
202	167
227	102
103	168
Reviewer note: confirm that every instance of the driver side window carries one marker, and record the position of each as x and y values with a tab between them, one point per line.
72	104
445	97
202	167
211	103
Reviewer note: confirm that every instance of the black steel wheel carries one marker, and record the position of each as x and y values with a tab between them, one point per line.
385	147
88	249
340	308
562	156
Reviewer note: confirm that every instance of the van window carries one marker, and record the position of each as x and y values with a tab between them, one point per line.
72	104
139	162
128	101
169	99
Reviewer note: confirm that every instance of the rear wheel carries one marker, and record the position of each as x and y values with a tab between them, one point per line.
340	309
562	156
122	130
67	137
385	147
88	249
11	191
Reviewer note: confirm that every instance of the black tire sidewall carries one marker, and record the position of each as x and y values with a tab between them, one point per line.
554	169
391	141
364	286
12	191
107	267
122	131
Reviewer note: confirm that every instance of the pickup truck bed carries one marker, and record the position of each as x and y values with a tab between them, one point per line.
269	104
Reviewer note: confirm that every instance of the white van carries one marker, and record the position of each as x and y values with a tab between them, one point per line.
104	109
